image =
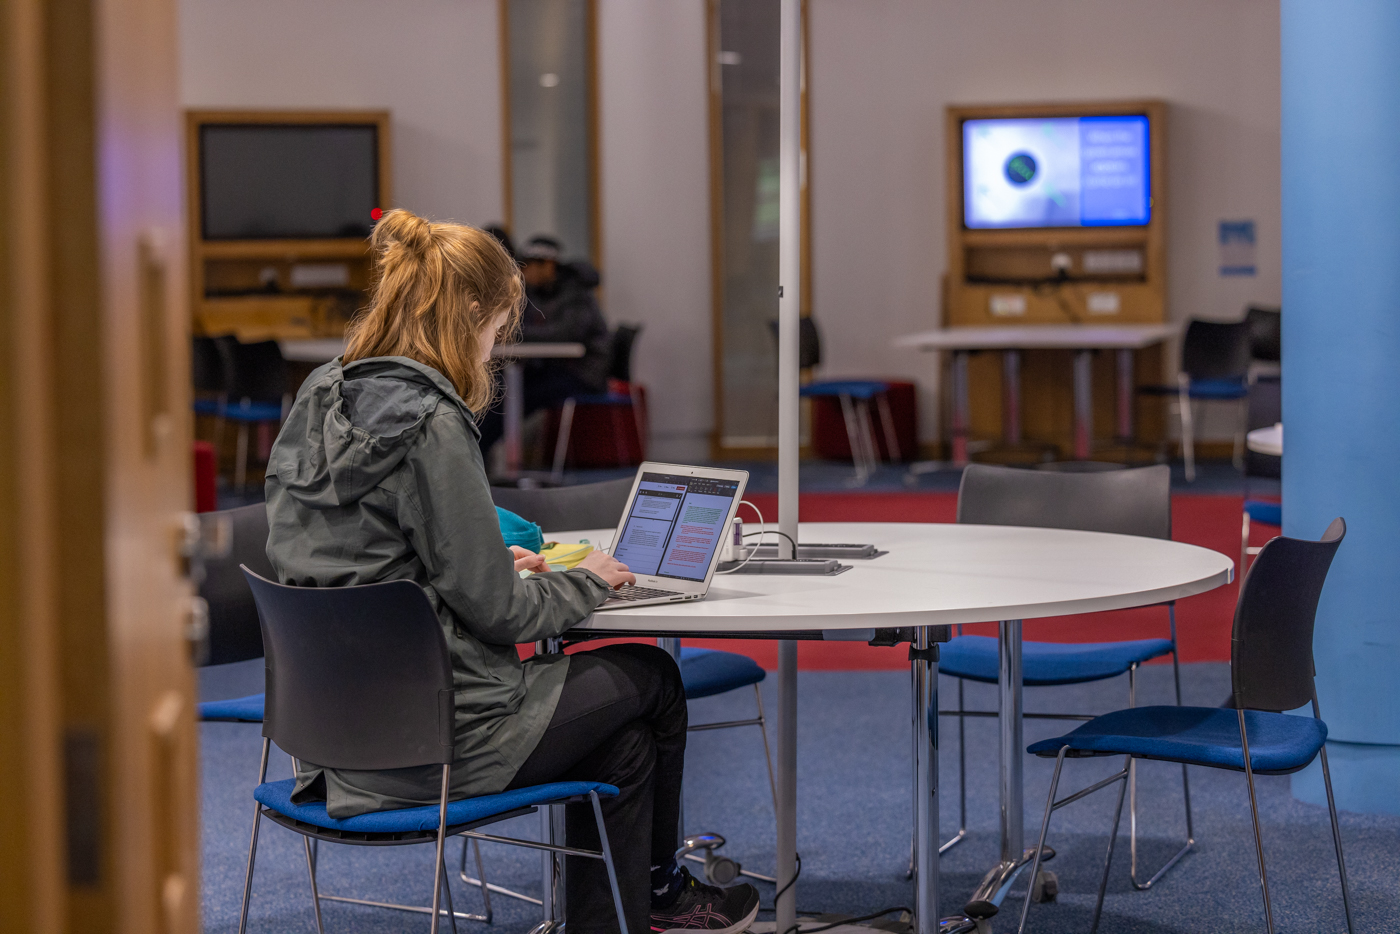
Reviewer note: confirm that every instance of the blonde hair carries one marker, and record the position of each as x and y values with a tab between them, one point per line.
437	288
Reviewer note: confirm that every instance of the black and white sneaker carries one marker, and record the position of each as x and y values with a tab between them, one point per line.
707	908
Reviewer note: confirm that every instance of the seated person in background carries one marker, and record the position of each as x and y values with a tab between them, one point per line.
560	307
377	475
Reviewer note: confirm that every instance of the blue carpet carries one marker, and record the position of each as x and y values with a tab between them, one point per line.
854	822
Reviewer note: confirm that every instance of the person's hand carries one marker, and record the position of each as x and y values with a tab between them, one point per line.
608	568
526	560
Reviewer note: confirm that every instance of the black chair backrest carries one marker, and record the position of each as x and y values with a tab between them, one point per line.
1216	350
623	339
1265	332
207	365
568	508
1134	501
1265	409
809	342
253	371
357	677
1271	647
234	632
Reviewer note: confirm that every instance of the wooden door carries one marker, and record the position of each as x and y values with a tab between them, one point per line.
96	686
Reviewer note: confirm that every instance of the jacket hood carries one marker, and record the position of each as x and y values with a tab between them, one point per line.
352	425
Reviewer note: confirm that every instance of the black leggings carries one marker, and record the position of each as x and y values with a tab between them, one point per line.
621	719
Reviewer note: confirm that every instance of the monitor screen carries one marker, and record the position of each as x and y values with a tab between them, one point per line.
1056	172
675	525
287	181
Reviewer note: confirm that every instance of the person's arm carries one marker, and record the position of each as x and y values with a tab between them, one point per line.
452	524
575	320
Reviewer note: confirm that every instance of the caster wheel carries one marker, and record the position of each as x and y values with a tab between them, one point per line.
1046	887
720	870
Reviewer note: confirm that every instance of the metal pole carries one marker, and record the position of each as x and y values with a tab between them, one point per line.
1083	404
1011	396
787	786
1009	687
925	674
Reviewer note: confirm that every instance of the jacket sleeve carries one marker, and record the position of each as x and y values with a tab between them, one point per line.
451	523
574	320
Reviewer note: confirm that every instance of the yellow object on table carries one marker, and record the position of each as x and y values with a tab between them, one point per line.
561	557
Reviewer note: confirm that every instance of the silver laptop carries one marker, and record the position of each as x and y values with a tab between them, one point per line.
671	531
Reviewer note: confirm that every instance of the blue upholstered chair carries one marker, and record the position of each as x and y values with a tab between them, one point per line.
347	692
1215	360
255	381
855	396
1127	502
705	673
1271	671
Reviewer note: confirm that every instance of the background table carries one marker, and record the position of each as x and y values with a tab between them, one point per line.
1266	440
934	575
1084	339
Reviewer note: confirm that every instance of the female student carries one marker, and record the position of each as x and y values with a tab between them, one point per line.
377	475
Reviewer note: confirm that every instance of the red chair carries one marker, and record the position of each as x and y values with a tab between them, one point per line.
605	429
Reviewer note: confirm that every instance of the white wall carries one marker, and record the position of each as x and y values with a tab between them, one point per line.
654	135
882	72
433	63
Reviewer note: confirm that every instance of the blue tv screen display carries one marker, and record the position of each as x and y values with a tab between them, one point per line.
1056	172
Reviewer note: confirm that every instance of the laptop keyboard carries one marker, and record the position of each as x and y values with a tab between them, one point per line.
630	592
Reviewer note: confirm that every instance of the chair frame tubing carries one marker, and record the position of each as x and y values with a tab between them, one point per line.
442	891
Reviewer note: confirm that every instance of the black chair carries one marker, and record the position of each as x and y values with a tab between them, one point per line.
1133	501
360	678
1265	332
618	403
567	508
1215	358
256	391
234	632
1265	410
1271	670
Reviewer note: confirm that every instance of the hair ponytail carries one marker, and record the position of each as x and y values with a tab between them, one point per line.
437	288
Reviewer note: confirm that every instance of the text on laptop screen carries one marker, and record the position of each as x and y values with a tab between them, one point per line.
675	525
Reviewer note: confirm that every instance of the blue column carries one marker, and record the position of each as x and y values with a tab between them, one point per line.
1341	370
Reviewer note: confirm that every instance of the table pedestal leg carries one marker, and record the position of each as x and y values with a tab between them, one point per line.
1083	403
923	662
960	415
1124	398
513	415
786	903
1011	397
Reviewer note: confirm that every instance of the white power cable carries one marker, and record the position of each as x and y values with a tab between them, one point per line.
761	531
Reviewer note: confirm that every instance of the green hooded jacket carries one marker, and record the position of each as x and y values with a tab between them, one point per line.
377	475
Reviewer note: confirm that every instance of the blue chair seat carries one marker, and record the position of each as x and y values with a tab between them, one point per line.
708	671
975	658
278	797
1267	513
1218	389
1278	743
253	412
208	406
234	710
855	388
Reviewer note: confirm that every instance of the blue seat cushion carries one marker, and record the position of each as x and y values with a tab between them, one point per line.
855	388
207	406
1267	513
254	412
278	797
975	658
1278	742
708	671
604	398
236	709
1218	389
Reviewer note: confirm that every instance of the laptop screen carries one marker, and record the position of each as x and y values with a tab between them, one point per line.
675	525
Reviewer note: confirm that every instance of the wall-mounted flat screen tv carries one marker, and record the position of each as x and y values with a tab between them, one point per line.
1057	172
283	181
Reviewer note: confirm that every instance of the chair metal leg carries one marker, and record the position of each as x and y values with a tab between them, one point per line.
767	752
1044	829
315	895
848	415
438	874
253	844
480	882
882	402
1112	839
608	862
1254	813
561	442
1336	827
447	897
1244	541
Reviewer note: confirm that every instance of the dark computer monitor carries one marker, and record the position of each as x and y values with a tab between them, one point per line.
1088	171
284	181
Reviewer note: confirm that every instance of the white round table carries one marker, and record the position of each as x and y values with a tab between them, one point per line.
934	575
1266	440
